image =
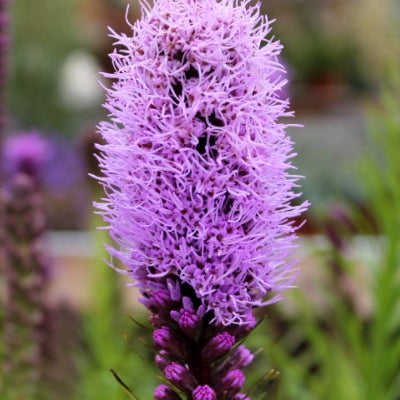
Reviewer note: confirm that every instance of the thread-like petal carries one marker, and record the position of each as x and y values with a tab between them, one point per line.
197	161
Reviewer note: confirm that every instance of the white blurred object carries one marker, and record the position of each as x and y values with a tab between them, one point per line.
79	87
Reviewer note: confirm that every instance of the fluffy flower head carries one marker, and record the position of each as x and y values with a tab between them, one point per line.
196	161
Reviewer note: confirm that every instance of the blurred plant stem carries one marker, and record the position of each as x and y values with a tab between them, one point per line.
26	273
4	39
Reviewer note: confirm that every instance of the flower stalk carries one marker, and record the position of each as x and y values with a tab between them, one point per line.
25	271
202	359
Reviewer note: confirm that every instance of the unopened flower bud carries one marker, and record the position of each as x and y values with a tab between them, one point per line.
218	346
161	298
204	393
232	383
162	337
174	289
241	357
161	360
165	339
164	392
180	376
156	300
187	319
157	320
241	396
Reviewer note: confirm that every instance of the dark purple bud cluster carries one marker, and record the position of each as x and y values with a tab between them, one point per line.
198	358
204	393
217	346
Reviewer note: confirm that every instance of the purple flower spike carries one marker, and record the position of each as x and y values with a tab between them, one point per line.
164	392
196	163
197	174
25	274
204	393
232	383
180	376
218	346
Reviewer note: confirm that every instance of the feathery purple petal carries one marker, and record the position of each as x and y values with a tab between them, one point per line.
197	161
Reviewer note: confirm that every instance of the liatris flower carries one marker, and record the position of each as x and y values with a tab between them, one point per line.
25	271
198	190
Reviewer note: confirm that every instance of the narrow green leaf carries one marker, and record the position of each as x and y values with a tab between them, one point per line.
124	385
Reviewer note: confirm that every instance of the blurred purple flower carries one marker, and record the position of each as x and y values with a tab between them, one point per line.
26	152
56	166
50	159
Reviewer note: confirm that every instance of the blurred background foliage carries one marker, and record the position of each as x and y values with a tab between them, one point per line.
43	37
337	335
